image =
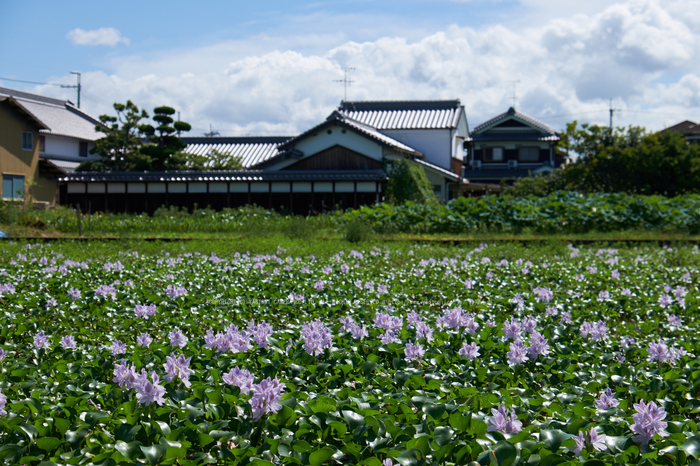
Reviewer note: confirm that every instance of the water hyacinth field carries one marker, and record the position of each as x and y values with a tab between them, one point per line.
410	355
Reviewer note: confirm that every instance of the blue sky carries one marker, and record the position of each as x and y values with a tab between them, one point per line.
269	67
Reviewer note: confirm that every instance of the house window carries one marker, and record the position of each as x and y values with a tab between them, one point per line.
529	154
27	143
83	149
42	143
12	187
493	154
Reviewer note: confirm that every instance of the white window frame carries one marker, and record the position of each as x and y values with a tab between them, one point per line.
522	149
493	150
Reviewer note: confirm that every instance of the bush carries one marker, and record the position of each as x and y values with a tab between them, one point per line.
357	231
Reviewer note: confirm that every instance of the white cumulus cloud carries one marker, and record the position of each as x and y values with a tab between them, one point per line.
102	36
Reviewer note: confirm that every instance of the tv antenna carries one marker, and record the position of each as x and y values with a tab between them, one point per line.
346	82
612	110
76	86
211	133
514	82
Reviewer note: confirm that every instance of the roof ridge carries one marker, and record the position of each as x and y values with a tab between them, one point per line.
515	114
31	96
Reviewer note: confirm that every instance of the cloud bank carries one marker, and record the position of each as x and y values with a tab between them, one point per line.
102	36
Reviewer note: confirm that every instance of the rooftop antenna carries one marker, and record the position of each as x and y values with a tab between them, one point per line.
346	81
77	86
211	133
612	110
514	82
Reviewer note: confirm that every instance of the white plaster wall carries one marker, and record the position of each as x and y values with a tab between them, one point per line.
434	144
66	148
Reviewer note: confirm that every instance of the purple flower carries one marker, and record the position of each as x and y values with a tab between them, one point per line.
665	300
528	324
659	351
41	341
149	391
178	368
517	353
175	292
543	294
565	318
118	347
551	311
648	421
67	342
603	296
74	293
674	320
319	285
265	397
538	346
106	290
260	333
144	340
469	351
3	402
387	322
316	337
512	329
607	400
414	352
125	376
503	421
388	337
144	311
589	442
3	354
423	330
241	378
178	339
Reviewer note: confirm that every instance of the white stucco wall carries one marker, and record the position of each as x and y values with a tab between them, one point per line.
434	144
63	148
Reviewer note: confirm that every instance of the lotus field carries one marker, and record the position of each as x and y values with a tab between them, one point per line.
380	356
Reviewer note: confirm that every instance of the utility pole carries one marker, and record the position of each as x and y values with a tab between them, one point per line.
346	81
77	86
612	110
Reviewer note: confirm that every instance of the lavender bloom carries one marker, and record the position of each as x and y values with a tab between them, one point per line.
265	398
565	318
74	293
260	333
41	341
178	339
551	311
528	324
3	354
319	285
423	330
414	352
594	331
512	329
503	421
359	333
68	342
382	289
470	326
674	320
387	462
658	351
3	402
665	300
469	351
148	391
519	302
589	442
118	347
517	353
175	292
453	318
387	322
603	295
538	346
648	421
144	340
316	337
237	341
145	311
51	303
124	375
388	337
106	290
607	400
178	368
8	288
543	294
241	378
626	292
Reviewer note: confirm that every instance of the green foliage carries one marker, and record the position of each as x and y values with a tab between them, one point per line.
538	185
164	140
407	182
357	231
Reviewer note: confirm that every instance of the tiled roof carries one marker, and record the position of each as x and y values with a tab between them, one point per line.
442	171
251	150
229	175
495	135
512	113
409	114
60	116
686	127
343	120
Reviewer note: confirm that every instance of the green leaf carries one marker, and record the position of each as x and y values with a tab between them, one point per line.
505	453
554	438
354	419
460	422
154	452
48	444
318	457
92	417
131	450
692	446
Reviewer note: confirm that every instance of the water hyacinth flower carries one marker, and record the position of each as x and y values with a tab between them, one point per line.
144	311
589	442
517	353
316	337
503	421
607	400
413	352
41	341
144	340
149	391
648	421
178	339
118	347
3	402
106	290
674	320
74	293
469	351
3	354
175	292
512	329
67	342
538	345
551	311
659	351
565	318
241	378
125	376
178	368
260	333
543	294
265	397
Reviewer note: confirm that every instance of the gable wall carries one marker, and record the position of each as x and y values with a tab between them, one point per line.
436	145
63	148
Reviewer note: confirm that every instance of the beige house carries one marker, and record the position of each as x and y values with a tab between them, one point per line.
41	139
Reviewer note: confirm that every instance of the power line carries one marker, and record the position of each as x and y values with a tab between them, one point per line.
30	82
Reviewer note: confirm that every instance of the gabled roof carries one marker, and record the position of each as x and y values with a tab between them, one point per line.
252	150
685	127
60	117
340	119
446	173
405	114
13	102
531	126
